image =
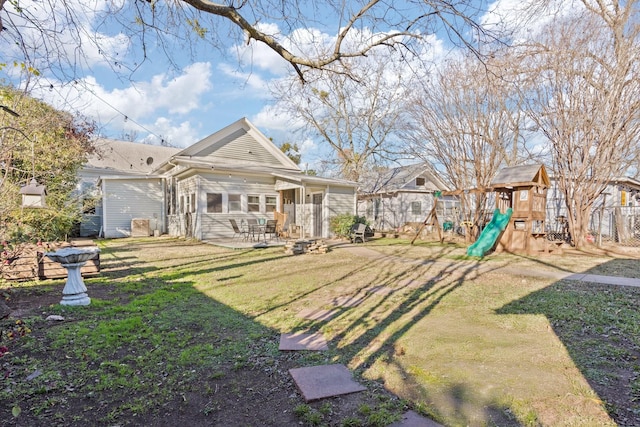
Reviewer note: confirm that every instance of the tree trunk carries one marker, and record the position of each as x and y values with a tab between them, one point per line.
579	226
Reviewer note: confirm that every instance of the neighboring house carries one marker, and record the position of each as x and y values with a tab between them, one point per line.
615	214
402	195
235	173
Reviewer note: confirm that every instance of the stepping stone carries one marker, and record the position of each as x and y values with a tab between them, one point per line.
316	314
319	382
300	341
413	419
380	290
347	301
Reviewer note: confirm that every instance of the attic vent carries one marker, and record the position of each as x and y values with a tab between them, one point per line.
149	161
419	181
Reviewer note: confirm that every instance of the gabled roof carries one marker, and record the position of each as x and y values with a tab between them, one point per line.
239	145
403	178
522	175
124	157
627	182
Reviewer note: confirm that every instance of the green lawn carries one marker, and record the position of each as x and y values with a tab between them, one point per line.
462	345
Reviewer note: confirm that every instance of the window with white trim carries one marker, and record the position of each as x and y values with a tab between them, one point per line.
416	208
214	203
271	203
235	203
253	203
189	203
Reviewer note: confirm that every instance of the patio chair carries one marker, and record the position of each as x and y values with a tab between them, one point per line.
283	229
271	228
358	232
239	231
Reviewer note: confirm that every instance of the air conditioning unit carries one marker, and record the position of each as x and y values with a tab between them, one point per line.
140	227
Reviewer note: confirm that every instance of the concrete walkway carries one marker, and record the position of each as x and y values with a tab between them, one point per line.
370	253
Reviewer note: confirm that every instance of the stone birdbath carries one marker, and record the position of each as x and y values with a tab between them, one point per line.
74	292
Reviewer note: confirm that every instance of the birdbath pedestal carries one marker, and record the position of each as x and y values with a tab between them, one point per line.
74	292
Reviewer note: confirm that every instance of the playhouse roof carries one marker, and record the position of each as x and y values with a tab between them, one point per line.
519	176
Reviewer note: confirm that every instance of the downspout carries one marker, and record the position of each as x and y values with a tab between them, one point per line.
196	223
304	211
103	226
325	213
163	213
173	211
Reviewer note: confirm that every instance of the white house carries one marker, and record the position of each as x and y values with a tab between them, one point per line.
615	214
235	173
401	195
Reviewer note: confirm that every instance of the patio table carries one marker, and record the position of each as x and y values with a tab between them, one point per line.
258	229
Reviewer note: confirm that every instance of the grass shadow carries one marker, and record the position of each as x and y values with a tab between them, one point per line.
152	349
598	325
418	288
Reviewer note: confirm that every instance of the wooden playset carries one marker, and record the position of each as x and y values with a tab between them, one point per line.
522	192
523	189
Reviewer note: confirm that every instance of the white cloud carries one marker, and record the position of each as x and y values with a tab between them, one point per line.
275	119
526	19
179	95
68	31
147	108
251	80
259	55
308	147
182	135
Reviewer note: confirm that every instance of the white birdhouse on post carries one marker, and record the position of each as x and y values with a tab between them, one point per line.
33	195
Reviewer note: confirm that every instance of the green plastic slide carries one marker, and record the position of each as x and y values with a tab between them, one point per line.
490	234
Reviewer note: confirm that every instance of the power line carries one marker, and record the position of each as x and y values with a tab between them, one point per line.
94	94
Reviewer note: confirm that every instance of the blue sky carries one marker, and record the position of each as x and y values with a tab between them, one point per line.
183	104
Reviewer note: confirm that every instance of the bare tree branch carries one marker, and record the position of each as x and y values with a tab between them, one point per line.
584	98
66	42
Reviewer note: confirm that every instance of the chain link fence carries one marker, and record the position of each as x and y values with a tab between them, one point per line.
613	226
618	226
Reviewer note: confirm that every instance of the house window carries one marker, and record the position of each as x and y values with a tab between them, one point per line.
271	202
253	203
419	181
188	203
214	203
235	204
416	208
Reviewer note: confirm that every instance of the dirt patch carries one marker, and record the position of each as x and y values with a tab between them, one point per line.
256	392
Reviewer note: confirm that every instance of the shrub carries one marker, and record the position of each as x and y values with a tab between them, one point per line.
340	225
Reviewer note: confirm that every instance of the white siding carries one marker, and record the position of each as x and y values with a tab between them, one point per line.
126	199
217	225
243	147
388	213
339	201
